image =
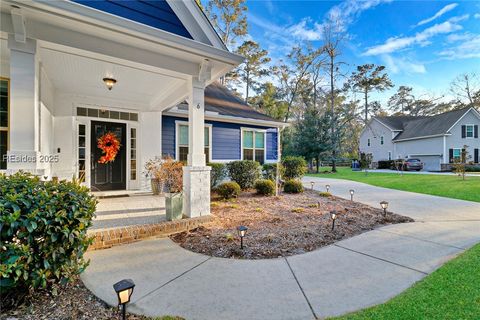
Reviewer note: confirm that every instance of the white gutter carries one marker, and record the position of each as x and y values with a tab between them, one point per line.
231	119
115	23
424	137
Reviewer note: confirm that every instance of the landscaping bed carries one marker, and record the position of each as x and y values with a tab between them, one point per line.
281	226
72	301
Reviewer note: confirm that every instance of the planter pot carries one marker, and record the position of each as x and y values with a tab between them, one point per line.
157	186
174	206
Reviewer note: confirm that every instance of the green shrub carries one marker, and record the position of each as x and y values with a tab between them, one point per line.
472	169
244	172
44	231
265	187
217	174
385	164
228	190
325	194
295	167
293	186
269	171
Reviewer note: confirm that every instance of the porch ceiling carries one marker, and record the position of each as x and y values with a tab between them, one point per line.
75	73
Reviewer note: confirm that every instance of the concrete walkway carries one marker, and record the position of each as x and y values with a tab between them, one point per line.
352	274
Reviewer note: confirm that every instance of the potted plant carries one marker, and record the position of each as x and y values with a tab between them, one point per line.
156	175
172	172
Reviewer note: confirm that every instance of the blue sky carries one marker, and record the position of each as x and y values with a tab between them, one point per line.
423	44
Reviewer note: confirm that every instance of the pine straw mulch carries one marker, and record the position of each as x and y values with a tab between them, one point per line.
281	226
72	301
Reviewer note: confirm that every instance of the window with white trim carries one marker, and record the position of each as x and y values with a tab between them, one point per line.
469	131
82	151
368	142
253	145
4	108
381	140
457	154
182	148
133	154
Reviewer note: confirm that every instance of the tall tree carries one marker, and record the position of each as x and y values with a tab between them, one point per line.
464	87
228	18
254	66
402	100
268	101
368	78
332	40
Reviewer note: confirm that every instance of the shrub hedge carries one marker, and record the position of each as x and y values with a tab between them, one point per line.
44	231
217	174
293	186
244	172
385	164
228	190
265	187
295	167
269	171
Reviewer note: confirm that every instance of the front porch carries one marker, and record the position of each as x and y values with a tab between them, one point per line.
63	105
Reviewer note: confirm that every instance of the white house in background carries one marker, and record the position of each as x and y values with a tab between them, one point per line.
435	140
72	71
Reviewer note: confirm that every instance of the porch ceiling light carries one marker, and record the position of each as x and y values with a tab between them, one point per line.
384	205
124	290
242	231
109	82
333	216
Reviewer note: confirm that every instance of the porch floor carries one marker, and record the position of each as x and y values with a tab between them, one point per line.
134	209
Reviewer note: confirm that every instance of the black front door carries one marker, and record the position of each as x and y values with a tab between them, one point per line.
110	175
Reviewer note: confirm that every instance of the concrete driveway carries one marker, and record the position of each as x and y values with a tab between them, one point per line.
352	274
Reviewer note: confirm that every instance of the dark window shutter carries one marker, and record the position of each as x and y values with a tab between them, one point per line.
475	131
475	155
464	131
462	156
450	155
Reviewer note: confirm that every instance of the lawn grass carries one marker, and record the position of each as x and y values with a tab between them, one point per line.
451	292
449	186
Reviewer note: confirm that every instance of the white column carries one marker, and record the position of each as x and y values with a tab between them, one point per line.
196	176
24	101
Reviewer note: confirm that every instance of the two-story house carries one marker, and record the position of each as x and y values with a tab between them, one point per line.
436	140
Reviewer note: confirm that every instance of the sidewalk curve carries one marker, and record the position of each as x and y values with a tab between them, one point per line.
352	274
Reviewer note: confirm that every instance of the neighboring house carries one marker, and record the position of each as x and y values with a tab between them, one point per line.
436	140
71	71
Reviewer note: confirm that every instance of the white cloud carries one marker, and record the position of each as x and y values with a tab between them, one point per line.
303	32
468	48
440	13
402	65
476	15
421	38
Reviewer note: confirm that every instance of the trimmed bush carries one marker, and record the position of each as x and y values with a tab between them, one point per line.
295	167
217	174
228	190
265	187
244	172
44	231
293	186
325	194
269	171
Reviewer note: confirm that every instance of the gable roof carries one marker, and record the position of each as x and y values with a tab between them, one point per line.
153	13
396	123
424	126
223	102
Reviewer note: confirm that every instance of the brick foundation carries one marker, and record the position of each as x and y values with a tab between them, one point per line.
109	238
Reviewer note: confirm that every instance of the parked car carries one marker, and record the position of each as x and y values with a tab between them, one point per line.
412	164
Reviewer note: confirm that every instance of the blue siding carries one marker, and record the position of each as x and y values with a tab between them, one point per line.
153	13
225	139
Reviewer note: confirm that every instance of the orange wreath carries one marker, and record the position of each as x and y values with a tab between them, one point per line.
110	146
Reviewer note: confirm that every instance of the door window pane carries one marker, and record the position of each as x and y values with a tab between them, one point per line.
207	137
247	154
259	155
183	154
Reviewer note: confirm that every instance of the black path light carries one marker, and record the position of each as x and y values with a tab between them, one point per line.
333	216
124	290
312	183
351	194
384	205
327	187
242	231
